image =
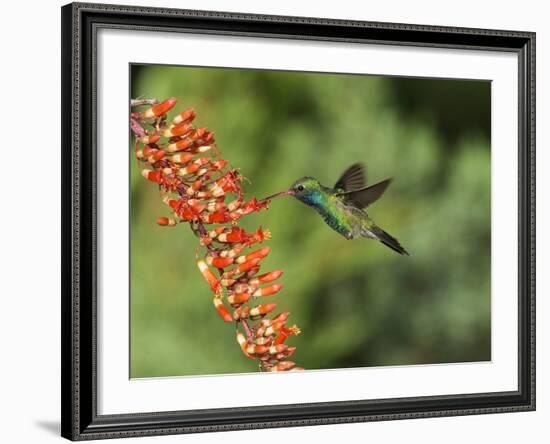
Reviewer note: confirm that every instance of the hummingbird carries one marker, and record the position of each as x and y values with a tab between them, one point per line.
343	206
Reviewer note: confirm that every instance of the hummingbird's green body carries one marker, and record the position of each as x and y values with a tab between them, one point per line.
345	219
341	207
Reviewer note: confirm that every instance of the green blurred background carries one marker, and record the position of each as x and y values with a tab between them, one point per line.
357	302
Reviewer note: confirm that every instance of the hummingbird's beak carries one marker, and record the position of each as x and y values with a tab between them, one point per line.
282	193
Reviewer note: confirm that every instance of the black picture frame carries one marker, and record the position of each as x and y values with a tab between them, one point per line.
80	22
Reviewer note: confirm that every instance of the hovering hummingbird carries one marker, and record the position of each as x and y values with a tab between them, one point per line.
342	207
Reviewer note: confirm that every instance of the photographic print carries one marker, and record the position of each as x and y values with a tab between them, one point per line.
288	221
274	221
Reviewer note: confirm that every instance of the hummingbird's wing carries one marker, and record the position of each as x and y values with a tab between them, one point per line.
352	179
364	197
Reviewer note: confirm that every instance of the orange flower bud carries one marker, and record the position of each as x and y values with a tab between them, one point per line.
239	298
180	145
160	109
186	116
148	150
267	277
166	222
281	316
213	218
219	262
149	138
235	235
274	349
242	267
181	158
158	155
172	203
282	366
153	176
222	310
191	191
257	349
268	290
189	169
243	343
232	252
178	130
262	309
209	277
258	254
273	328
219	164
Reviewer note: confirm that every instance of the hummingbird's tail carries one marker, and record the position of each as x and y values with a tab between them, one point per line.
388	240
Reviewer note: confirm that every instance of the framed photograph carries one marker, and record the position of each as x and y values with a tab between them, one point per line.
279	221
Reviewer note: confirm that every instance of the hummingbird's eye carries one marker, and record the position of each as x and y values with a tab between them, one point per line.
300	188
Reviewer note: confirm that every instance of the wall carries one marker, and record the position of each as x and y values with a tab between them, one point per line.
30	234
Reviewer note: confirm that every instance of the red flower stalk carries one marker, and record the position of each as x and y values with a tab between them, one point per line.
208	195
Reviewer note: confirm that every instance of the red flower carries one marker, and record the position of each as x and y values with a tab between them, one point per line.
196	189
